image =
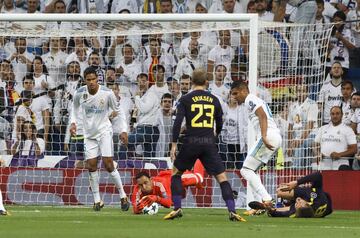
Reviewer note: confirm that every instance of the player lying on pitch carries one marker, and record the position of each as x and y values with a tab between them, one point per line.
157	189
306	196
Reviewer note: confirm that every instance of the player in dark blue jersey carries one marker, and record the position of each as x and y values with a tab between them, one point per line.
201	111
306	196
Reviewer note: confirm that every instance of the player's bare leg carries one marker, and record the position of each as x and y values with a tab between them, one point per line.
94	183
3	211
228	197
114	173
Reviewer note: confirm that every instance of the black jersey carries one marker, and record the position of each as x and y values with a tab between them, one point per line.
201	110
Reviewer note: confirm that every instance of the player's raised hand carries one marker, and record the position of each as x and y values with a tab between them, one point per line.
73	129
288	186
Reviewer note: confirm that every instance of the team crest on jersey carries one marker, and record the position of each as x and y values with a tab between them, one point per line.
313	195
85	96
338	132
252	105
102	102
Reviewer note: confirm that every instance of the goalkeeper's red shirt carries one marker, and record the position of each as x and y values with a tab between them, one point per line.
161	188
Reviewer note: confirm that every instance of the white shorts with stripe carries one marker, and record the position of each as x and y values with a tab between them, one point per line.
102	146
259	154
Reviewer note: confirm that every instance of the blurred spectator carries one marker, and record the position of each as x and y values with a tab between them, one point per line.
355	119
64	97
128	68
202	41
39	108
228	6
146	132
118	6
8	85
218	86
251	7
158	56
192	5
28	147
330	92
126	106
337	143
23	113
343	5
201	7
354	15
55	61
115	53
94	61
8	6
21	61
59	7
341	42
233	142
91	6
7	48
80	55
301	12
174	88
5	135
261	9
165	122
151	6
111	78
160	87
166	6
303	116
347	88
223	53
191	61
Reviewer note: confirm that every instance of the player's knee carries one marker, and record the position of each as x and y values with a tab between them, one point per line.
221	178
245	172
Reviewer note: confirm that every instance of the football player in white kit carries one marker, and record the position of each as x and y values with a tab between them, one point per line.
3	211
95	102
267	134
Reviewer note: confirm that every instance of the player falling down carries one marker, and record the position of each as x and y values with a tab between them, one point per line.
267	134
157	189
200	109
95	103
3	211
307	199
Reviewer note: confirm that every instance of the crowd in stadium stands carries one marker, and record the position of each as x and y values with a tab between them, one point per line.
149	74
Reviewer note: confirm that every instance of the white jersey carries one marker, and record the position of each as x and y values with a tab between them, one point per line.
95	110
301	114
335	138
222	91
331	96
252	103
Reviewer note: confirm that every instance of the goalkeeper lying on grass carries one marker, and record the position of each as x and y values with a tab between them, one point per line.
306	196
157	189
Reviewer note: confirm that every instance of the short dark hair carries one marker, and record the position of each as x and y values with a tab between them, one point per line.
142	75
90	70
199	77
185	76
320	2
220	65
157	67
167	95
340	14
355	94
141	174
305	212
347	82
28	76
94	53
110	68
239	84
59	1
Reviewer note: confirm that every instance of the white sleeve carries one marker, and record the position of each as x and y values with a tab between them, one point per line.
252	103
41	144
212	56
57	116
350	136
321	95
313	113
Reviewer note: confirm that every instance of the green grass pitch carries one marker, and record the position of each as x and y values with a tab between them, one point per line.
64	222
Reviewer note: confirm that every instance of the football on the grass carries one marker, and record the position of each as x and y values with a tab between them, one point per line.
151	209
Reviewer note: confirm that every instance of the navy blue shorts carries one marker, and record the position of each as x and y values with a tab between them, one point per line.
208	155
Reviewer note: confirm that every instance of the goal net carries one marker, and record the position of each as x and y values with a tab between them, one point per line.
45	60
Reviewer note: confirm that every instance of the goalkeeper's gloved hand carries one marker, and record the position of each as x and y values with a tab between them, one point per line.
146	201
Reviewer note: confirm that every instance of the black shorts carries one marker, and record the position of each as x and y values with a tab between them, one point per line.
208	155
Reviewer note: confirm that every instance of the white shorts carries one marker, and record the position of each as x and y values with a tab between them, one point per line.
259	154
102	146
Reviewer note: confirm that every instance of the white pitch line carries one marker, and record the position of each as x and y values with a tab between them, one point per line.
324	227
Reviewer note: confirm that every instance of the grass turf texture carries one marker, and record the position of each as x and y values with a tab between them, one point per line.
64	222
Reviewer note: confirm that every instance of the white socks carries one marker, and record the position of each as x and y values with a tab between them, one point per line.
94	184
117	180
255	182
2	208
